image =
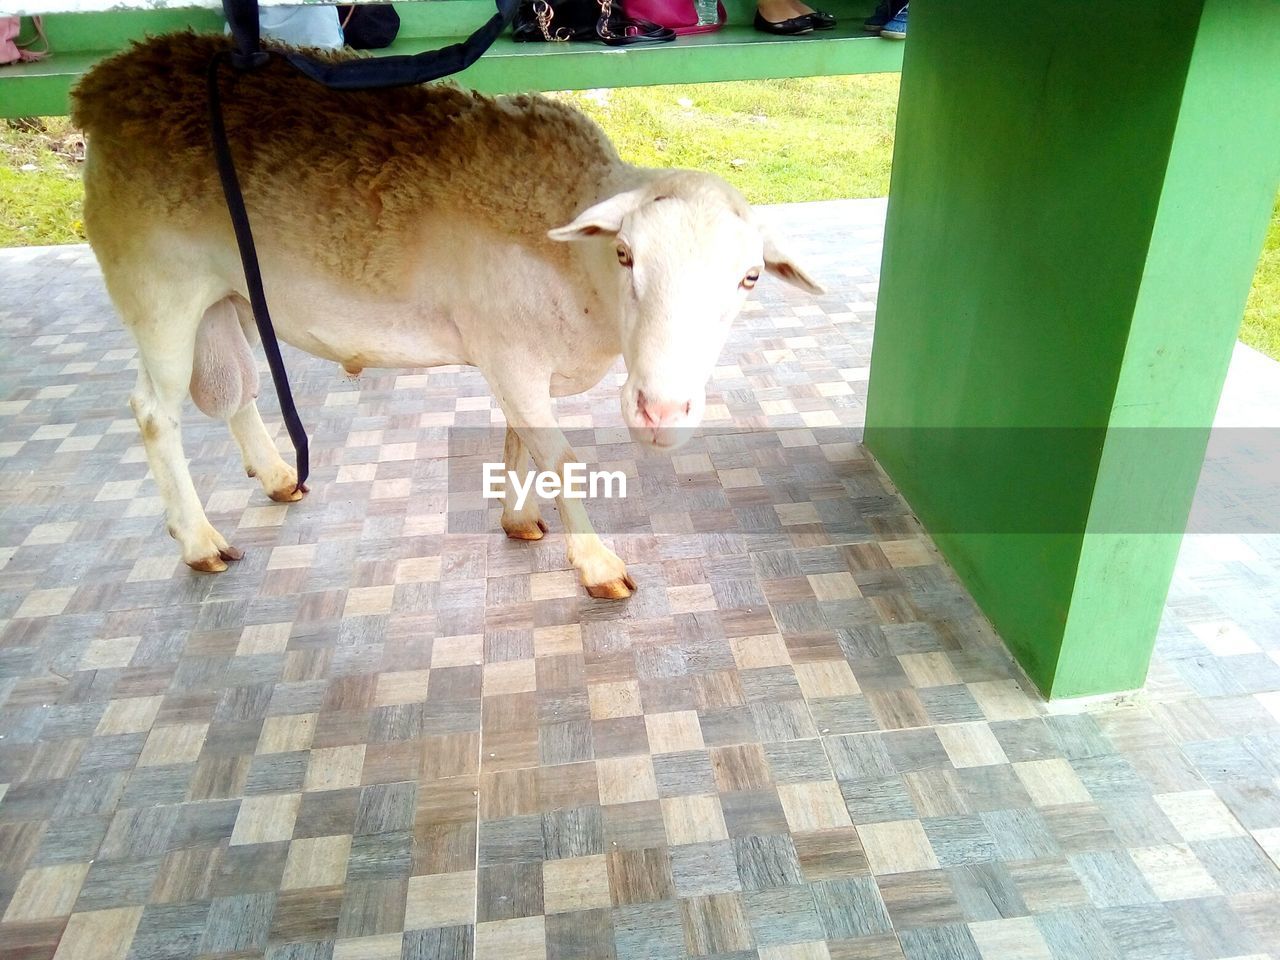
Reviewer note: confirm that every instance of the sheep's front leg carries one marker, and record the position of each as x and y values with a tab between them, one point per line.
524	522
530	415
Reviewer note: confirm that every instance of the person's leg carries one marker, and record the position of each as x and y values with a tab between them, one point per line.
896	29
785	17
885	11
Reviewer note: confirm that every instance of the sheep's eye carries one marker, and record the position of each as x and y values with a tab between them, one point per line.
750	280
624	255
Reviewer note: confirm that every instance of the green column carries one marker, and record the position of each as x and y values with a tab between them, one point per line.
1079	196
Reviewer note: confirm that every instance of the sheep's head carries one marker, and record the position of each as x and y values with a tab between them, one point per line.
688	253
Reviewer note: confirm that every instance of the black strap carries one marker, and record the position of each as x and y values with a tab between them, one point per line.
363	74
252	272
634	31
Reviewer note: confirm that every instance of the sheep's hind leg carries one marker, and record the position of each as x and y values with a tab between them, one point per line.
520	523
166	348
223	348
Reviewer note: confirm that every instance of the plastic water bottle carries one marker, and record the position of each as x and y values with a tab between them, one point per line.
707	12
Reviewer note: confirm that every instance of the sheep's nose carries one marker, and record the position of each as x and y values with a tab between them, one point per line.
660	413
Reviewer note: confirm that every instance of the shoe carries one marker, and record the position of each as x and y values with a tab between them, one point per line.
822	20
885	11
784	28
896	29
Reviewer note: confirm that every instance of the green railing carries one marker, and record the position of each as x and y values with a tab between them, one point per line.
735	53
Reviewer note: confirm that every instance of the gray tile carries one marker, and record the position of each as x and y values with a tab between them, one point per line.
783	915
238	923
1145	932
948	942
1238	865
701	869
649	931
766	862
959	840
439	943
1076	935
1112	878
850	908
172	931
986	891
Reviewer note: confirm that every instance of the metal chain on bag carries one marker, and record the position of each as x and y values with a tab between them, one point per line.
602	27
544	14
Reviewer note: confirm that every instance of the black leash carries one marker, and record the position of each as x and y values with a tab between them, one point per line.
371	73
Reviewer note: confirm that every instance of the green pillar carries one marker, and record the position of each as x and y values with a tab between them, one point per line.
1079	196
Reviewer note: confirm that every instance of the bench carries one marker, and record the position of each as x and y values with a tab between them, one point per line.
1079	196
735	53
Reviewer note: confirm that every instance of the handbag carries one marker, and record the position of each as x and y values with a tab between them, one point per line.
370	26
682	16
557	21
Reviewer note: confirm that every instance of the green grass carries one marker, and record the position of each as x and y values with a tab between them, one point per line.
779	142
1261	328
40	191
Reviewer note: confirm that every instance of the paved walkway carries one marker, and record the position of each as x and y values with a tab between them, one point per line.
378	737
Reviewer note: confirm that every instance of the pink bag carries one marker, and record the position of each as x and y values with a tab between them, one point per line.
11	50
682	16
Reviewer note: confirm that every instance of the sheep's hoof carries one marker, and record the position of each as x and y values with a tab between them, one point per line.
525	530
618	589
250	472
231	553
289	494
212	564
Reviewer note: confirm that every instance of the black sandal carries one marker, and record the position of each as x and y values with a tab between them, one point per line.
784	28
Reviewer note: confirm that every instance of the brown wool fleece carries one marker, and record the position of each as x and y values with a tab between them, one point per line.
348	176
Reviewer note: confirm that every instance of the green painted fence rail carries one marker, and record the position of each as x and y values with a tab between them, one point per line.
735	53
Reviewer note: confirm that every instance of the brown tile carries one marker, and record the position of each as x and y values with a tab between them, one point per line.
612	700
693	820
812	807
674	732
266	819
333	768
518	939
740	767
316	862
715	924
830	854
99	935
640	876
306	914
626	780
46	892
899	846
175	744
441	900
577	883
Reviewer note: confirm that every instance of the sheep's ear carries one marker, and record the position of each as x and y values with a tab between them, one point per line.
603	219
777	262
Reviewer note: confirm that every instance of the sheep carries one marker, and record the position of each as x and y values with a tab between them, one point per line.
412	227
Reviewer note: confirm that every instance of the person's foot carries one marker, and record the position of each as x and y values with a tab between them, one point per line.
786	18
791	27
822	20
886	10
777	11
896	29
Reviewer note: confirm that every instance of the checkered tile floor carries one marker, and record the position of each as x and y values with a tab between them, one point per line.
378	738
